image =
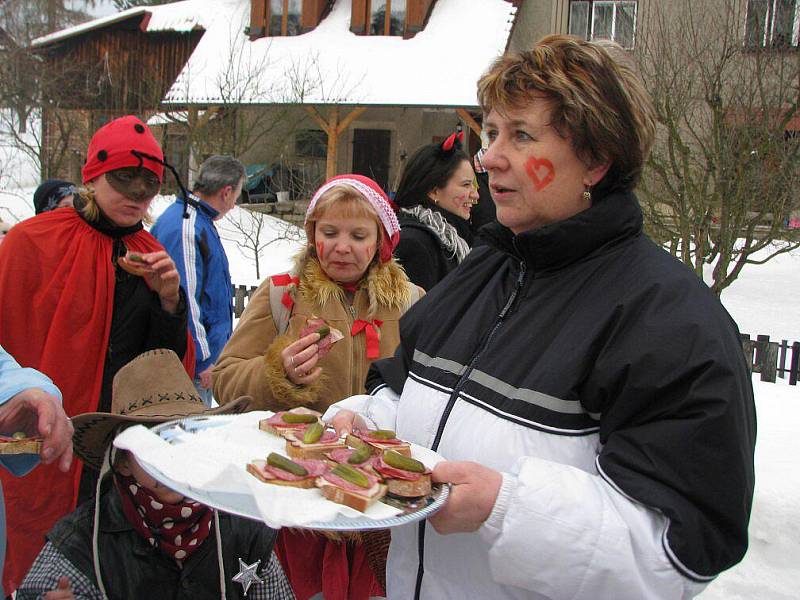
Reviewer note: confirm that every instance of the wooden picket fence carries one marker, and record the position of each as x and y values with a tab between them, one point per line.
772	360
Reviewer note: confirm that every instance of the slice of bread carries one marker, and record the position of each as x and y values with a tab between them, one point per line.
295	448
360	501
377	448
409	489
307	483
23	446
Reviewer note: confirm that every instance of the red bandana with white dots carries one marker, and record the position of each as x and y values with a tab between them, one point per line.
176	529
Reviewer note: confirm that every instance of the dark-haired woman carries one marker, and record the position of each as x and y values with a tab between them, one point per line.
435	196
75	306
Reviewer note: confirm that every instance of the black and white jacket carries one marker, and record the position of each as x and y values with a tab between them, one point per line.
607	384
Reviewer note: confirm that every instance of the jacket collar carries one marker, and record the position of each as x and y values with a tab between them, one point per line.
386	285
197	202
609	222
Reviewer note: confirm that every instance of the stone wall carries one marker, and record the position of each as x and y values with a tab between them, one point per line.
292	212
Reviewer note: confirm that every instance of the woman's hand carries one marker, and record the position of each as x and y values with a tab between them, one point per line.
300	360
160	273
345	421
472	497
63	591
39	414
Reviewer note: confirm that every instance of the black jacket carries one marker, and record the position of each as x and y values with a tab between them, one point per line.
587	328
138	324
131	568
422	253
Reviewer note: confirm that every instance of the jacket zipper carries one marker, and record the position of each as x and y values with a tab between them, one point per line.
451	402
353	362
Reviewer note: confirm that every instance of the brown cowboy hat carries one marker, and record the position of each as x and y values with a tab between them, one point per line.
151	389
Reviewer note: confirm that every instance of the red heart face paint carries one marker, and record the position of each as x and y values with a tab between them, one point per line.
320	248
541	172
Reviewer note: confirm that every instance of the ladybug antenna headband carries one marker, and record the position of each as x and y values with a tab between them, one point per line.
184	192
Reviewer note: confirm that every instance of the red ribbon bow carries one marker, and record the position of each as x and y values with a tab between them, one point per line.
290	282
370	329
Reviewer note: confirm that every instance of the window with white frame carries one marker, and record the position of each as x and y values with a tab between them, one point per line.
772	23
606	19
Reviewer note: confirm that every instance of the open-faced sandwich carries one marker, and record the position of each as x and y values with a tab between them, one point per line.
404	476
328	335
357	457
297	419
313	442
19	443
279	470
378	440
134	264
351	486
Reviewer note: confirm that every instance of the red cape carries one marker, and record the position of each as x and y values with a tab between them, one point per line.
56	299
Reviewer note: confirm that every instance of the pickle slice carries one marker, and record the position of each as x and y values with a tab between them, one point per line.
351	474
382	434
19	435
397	460
313	433
290	417
323	331
281	462
133	257
360	455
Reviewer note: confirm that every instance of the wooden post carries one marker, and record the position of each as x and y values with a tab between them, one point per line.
782	363
333	127
762	342
748	348
469	120
769	365
795	365
239	294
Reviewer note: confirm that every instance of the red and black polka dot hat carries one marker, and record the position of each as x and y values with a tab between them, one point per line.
124	142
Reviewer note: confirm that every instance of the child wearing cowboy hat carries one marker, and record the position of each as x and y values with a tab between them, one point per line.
139	538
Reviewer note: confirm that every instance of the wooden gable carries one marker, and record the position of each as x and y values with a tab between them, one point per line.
121	67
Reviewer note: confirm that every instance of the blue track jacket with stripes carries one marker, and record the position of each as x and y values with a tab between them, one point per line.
195	246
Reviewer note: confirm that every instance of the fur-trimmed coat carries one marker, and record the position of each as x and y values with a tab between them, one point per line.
250	363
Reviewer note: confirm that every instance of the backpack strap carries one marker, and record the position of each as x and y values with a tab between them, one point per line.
280	312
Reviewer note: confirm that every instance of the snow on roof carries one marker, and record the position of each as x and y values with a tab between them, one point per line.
331	65
328	65
179	16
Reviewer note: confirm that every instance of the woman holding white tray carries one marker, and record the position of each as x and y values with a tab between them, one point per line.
346	276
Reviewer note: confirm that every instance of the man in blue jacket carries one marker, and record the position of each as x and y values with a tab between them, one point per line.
31	404
187	231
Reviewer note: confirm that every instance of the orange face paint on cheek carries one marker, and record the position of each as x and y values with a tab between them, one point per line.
320	247
541	172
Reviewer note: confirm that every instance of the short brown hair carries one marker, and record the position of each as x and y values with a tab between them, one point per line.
597	99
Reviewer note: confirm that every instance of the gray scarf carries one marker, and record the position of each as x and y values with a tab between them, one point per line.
447	234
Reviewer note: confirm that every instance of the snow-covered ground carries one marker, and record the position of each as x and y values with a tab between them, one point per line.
762	301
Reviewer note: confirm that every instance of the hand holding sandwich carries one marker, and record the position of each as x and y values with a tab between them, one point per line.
160	273
300	360
472	497
39	414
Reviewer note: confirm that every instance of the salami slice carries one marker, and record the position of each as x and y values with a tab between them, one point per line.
325	343
350	487
315	468
391	472
365	436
